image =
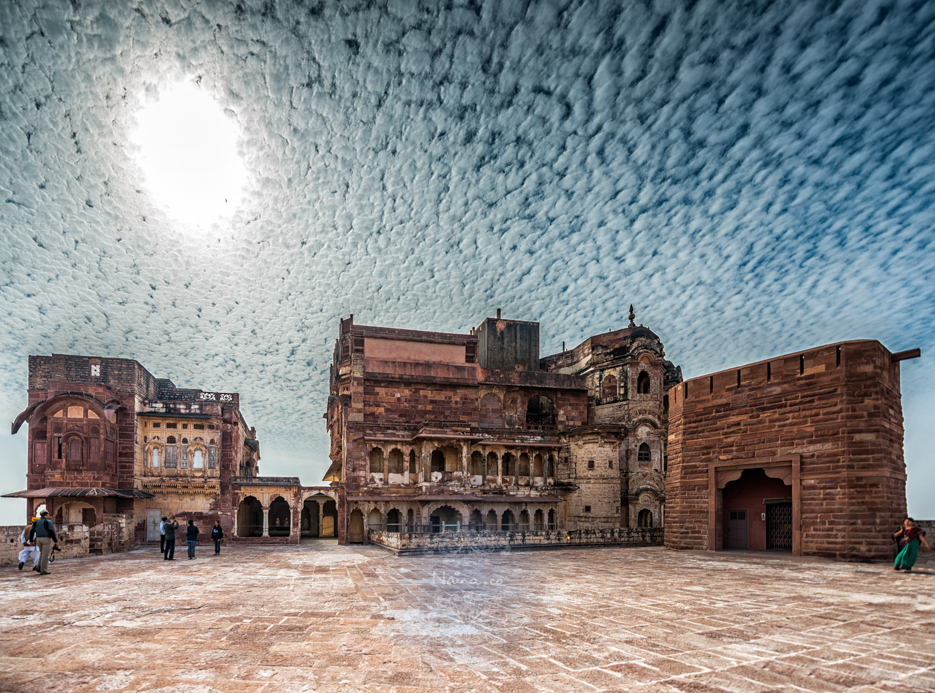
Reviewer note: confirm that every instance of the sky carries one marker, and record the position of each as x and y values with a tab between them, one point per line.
755	178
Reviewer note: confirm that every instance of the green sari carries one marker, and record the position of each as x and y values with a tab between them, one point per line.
907	557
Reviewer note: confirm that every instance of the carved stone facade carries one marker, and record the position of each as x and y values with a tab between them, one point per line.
108	440
427	435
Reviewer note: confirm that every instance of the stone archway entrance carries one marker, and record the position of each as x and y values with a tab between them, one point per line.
311	512
757	512
753	486
250	518
280	518
445	519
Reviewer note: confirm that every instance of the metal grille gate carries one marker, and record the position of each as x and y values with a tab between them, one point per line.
779	526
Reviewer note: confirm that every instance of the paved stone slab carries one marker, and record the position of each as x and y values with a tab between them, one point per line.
323	617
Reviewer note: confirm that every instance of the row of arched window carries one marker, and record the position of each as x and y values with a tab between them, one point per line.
173	456
448	458
609	385
448	519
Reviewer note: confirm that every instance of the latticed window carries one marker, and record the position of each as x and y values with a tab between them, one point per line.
644	455
172	457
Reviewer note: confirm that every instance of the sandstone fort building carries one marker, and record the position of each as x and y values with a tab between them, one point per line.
442	440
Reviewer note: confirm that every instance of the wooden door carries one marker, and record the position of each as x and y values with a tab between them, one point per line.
736	530
356	530
153	518
327	526
737	537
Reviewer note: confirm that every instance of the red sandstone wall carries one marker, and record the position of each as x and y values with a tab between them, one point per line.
836	407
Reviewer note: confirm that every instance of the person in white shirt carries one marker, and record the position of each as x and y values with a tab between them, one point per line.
162	535
30	550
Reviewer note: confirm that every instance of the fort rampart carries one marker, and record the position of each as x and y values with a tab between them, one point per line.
827	422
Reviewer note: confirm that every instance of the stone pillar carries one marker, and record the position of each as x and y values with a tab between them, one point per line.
500	470
321	518
265	522
426	461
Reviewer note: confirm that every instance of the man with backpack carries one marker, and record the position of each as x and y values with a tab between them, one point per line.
44	533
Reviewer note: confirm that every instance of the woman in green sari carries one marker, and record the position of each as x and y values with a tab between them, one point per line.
912	535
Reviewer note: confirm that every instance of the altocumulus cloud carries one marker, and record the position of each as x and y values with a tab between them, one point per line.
756	179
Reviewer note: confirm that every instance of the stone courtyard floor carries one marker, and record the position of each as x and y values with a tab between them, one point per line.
322	617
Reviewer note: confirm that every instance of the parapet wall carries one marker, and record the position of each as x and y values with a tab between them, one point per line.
827	420
73	542
115	534
469	542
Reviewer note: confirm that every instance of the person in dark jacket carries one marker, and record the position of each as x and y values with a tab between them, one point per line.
170	528
43	531
217	534
192	538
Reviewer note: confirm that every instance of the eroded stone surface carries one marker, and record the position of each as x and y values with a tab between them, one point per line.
323	617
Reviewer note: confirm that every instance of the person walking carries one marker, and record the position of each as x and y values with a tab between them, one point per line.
913	536
169	528
192	538
217	533
162	535
43	531
30	550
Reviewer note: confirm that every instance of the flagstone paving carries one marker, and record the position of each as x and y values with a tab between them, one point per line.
323	617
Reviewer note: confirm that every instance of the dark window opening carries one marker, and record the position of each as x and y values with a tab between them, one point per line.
587	508
644	454
644	519
540	411
802	364
199	427
837	357
396	463
769	372
710	384
590	464
185	426
438	461
738	377
376	461
157	425
172	425
643	384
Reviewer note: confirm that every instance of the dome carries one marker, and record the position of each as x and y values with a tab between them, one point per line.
642	332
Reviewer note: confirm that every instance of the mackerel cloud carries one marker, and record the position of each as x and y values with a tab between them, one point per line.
755	179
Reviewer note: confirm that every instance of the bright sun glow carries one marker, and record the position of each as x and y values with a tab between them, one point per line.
188	151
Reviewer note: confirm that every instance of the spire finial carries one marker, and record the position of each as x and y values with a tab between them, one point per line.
632	317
